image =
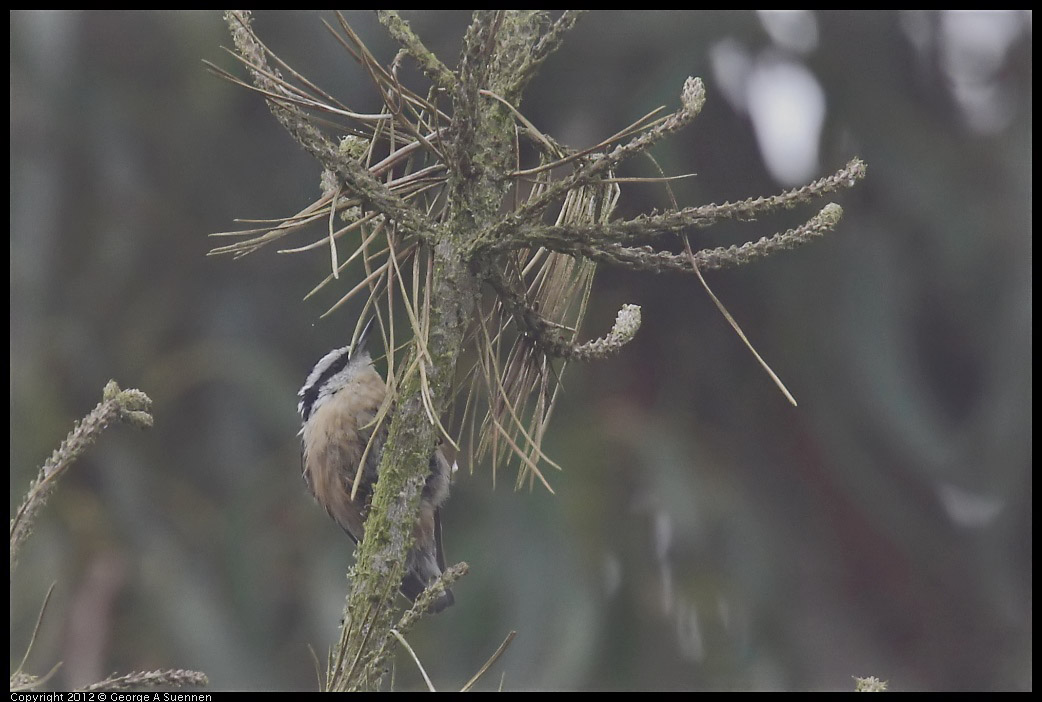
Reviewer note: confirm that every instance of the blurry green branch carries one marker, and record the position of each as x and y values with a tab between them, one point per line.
126	406
489	260
148	678
129	406
869	684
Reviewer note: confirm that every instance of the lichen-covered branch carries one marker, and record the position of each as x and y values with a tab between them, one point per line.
478	154
692	98
552	340
606	235
401	32
352	175
627	323
446	196
381	653
646	258
544	48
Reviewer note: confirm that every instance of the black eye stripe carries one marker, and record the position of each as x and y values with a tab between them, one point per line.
310	393
307	402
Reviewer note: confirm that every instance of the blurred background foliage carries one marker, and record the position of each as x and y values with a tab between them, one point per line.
704	534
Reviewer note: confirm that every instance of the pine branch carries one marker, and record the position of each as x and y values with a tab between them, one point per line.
352	176
646	258
596	235
441	208
401	32
129	406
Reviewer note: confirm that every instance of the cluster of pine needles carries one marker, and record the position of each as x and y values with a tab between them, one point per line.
509	385
526	327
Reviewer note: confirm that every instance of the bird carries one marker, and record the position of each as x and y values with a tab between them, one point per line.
338	406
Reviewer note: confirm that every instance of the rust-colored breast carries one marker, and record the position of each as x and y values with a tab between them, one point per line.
335	437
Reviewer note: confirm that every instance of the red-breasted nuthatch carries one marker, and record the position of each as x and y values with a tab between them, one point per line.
338	405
